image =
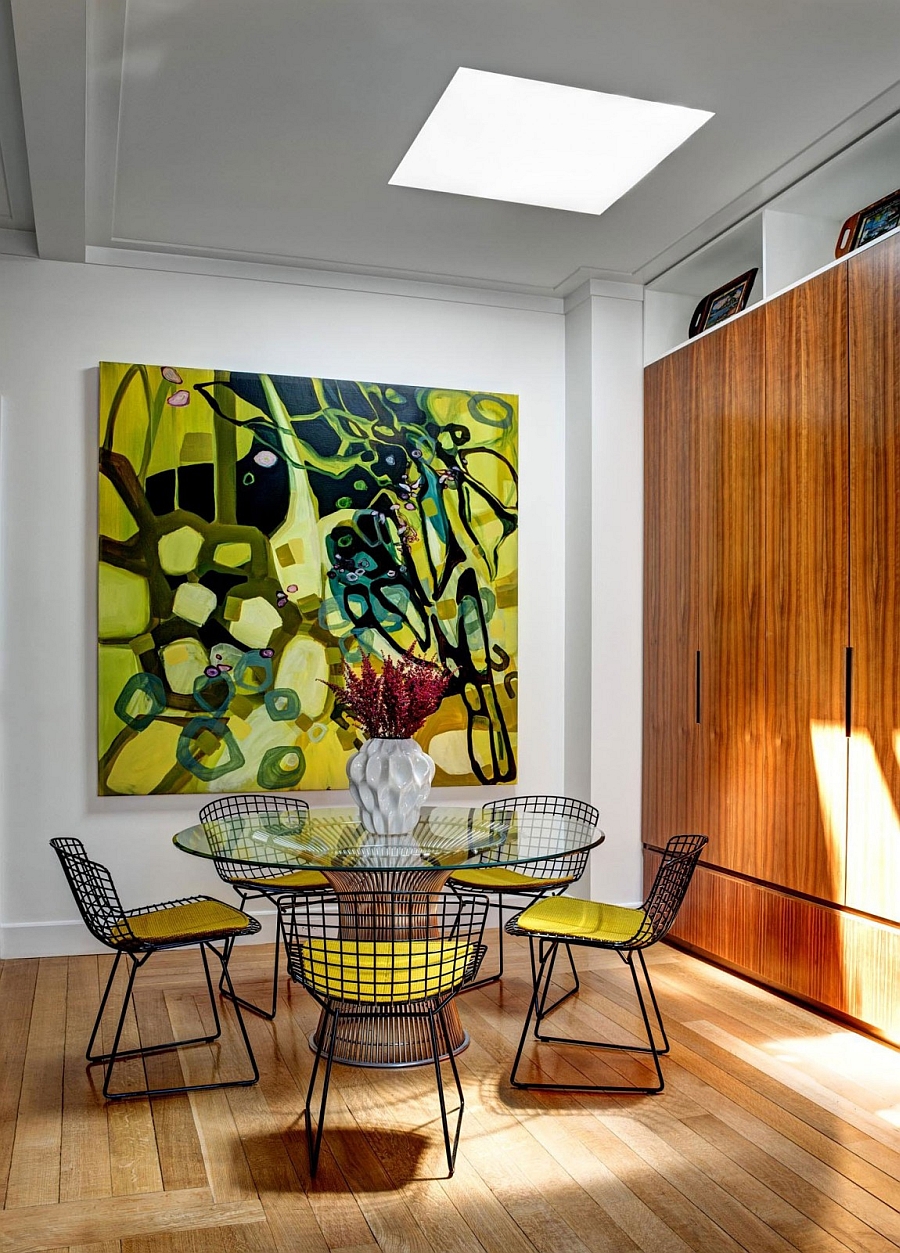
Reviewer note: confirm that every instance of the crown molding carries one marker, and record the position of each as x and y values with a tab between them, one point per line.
334	280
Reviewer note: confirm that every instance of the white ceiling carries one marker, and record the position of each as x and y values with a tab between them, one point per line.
267	130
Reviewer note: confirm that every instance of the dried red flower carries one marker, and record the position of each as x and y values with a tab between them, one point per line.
393	703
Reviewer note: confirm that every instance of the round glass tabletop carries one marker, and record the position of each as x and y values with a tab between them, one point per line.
446	837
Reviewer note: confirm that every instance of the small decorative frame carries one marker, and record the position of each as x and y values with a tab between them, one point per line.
722	303
868	223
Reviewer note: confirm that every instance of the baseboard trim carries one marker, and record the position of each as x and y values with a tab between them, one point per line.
805	1002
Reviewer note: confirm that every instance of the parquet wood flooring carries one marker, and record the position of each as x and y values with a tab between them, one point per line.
777	1131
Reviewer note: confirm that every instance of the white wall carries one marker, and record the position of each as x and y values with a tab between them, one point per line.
603	575
604	562
617	530
57	321
579	402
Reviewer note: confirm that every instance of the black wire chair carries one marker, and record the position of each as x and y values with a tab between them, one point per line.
137	934
564	920
546	877
383	955
230	834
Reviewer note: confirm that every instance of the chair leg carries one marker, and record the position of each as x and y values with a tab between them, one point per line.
109	982
268	1014
545	1009
314	1142
113	1056
116	1055
449	1148
539	994
652	1050
662	1030
223	958
498	975
533	1005
145	1050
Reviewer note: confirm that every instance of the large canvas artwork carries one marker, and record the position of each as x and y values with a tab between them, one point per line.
257	530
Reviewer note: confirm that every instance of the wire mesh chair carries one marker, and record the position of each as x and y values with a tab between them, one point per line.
628	932
547	877
230	835
378	955
137	934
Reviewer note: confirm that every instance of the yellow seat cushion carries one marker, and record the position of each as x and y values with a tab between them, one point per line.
584	920
383	971
501	879
183	922
296	879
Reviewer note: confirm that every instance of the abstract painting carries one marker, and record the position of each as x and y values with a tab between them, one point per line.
258	530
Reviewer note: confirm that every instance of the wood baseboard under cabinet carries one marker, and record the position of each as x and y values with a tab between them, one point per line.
836	960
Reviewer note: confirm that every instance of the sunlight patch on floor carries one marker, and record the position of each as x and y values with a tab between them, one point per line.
854	1057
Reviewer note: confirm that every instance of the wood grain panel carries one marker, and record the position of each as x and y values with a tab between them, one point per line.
17	983
802	845
84	1149
834	959
873	828
40	1227
727	399
34	1169
671	632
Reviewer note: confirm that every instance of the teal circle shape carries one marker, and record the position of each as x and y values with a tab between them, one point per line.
474	403
218	728
291	708
243	677
271	775
202	685
149	685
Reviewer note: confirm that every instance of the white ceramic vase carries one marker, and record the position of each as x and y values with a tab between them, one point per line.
389	781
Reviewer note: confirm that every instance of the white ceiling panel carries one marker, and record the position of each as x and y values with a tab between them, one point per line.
270	130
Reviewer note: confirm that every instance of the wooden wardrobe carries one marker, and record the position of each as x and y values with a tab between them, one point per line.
772	632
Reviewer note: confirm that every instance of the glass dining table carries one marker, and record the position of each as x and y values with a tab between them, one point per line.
333	841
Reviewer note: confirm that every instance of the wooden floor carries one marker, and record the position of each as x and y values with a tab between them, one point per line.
777	1130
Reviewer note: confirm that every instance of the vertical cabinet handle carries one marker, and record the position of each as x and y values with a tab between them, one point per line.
848	691
697	710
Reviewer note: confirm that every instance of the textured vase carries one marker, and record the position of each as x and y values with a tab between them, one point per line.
389	781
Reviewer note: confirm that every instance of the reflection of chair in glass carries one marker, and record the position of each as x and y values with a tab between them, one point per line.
545	877
231	825
381	956
563	920
139	933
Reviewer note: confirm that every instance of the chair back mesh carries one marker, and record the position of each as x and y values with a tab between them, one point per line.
229	825
560	806
545	814
94	891
383	948
673	877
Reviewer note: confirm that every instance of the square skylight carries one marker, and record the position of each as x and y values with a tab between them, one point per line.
506	138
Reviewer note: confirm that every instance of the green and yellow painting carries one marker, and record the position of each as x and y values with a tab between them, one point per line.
258	530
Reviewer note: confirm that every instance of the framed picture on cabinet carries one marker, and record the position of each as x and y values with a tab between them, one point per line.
869	223
722	303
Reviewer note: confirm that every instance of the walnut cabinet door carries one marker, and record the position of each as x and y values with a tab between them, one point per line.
671	631
807	503
873	827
